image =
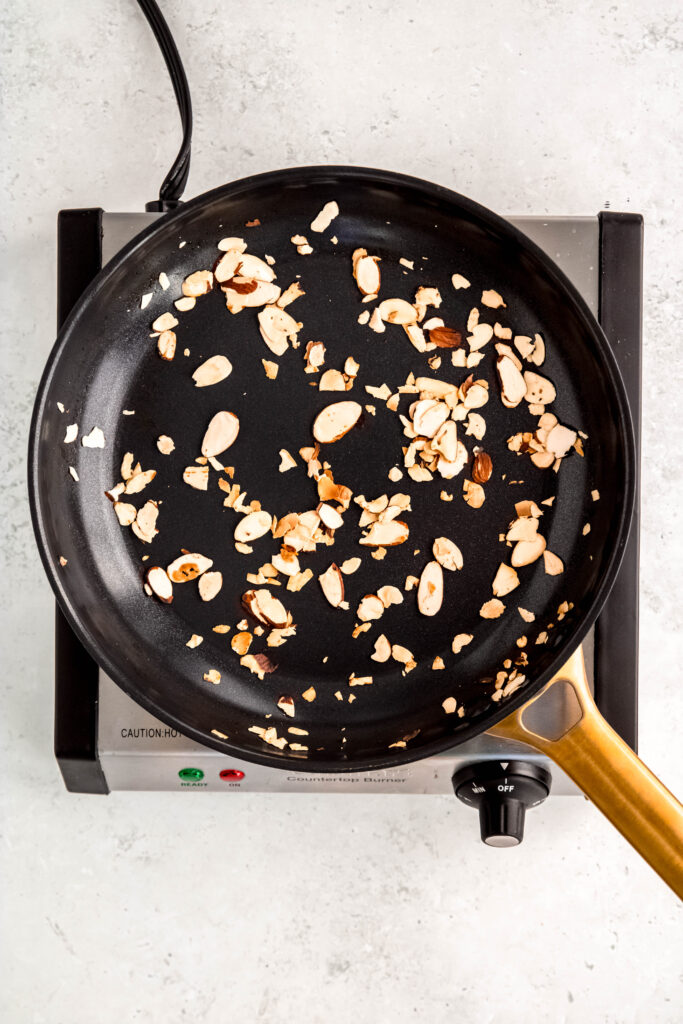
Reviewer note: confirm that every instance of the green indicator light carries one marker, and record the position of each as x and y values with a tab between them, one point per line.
191	774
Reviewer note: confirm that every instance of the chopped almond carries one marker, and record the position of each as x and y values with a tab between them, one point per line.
197	477
241	642
460	641
209	585
195	640
553	564
492	609
382	651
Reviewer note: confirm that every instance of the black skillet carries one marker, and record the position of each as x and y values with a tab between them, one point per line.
104	361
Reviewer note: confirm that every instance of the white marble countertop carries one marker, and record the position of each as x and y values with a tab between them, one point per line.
334	909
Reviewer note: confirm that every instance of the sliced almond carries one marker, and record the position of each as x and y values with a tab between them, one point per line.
350	566
492	299
559	440
386	535
527	551
165	444
199	283
266	608
185	304
95	439
243	293
277	328
139	480
209	585
366	272
382	651
194	641
241	642
213	676
212	371
332	380
447	554
332	585
473	494
403	656
458	282
125	513
166	343
295	291
428	416
325	217
539	390
165	322
430	590
334	421
369	608
160	584
221	433
330	517
505	581
197	477
144	526
286	461
232	243
449	705
480	336
242	264
389	595
253	526
512	383
492	609
553	564
187	567
397	311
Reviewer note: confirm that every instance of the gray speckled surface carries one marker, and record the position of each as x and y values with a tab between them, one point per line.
332	909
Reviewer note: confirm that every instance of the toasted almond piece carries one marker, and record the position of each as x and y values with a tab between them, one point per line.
198	283
527	508
458	281
389	595
165	444
553	564
309	694
115	492
242	264
185	304
492	299
512	383
446	441
213	370
241	642
197	477
350	566
523	528
166	343
336	420
330	517
539	390
287	562
445	337
220	434
253	526
138	481
475	425
165	322
295	291
460	641
527	551
366	272
127	466
369	608
125	513
403	656
209	585
447	554
397	311
505	333
287	461
332	380
524	345
146	299
559	440
245	293
213	676
277	328
194	641
411	582
71	433
387	534
492	609
164	281
286	705
449	705
314	356
187	567
430	589
473	494
480	336
482	468
526	615
376	323
221	628
232	244
429	415
266	608
332	585
395	474
355	680
323	220
159	583
438	664
476	396
382	651
505	581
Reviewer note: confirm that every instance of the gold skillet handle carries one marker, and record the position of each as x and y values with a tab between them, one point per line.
605	768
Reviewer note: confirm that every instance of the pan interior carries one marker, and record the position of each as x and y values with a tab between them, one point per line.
106	362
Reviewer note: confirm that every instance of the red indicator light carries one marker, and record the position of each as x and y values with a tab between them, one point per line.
232	774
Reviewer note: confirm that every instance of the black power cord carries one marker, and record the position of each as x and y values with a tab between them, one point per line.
176	179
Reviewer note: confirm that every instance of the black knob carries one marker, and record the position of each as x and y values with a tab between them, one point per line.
502	791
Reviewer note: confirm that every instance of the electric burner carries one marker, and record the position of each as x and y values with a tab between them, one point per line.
104	741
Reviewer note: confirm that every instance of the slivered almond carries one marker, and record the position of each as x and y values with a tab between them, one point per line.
370	608
253	526
197	477
506	579
166	343
213	370
221	433
209	585
187	567
430	589
199	283
334	421
447	554
553	564
160	584
332	585
397	311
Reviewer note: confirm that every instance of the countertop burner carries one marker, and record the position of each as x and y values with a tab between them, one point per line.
104	741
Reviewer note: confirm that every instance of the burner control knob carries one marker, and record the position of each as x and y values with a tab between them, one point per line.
502	791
